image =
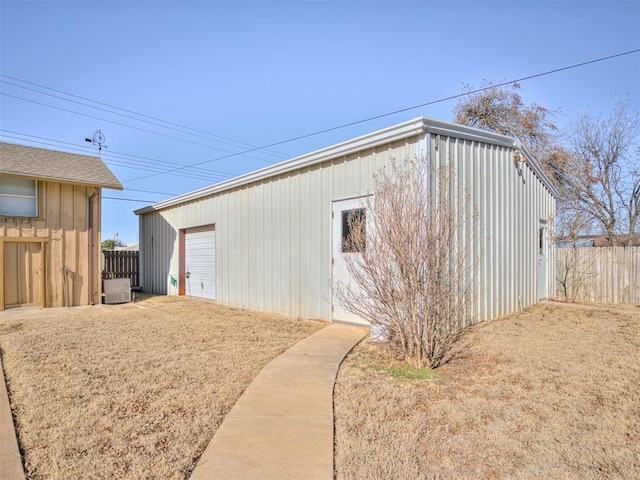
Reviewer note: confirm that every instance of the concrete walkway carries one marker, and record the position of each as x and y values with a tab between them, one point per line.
282	426
10	460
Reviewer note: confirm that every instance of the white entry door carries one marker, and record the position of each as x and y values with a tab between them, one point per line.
340	212
542	260
200	262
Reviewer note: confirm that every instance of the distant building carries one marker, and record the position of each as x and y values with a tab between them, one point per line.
129	247
599	241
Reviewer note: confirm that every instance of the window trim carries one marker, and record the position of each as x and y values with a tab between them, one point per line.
33	197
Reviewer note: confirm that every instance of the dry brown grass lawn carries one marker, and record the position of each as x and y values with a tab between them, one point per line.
133	391
552	392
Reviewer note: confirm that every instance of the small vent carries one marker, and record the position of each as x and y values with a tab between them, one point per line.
117	290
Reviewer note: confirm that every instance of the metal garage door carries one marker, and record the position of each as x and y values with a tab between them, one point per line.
200	262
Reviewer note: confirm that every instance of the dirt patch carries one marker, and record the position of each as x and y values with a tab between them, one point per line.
133	391
552	392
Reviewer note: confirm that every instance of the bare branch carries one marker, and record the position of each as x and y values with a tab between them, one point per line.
411	276
602	175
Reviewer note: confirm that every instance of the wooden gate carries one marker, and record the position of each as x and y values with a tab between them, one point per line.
121	264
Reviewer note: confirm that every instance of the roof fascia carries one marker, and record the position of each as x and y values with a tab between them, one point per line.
468	133
63	180
533	164
416	126
475	134
388	135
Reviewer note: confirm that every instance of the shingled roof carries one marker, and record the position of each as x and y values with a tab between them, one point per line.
52	165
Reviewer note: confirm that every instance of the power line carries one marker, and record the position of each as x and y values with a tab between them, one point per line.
129	199
147	191
132	118
114	156
395	112
129	165
152	163
125	163
180	128
137	128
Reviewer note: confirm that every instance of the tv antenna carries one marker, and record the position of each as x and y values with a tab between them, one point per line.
97	140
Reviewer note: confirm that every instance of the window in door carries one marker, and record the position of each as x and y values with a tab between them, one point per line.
353	224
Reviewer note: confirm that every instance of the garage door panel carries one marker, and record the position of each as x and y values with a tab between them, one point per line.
200	262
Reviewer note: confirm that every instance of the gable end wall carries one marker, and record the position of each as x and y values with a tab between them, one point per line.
63	224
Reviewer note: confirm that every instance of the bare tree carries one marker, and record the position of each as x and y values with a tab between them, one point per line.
501	110
598	176
574	259
411	276
603	178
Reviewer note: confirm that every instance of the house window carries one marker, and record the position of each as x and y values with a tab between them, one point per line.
351	219
18	197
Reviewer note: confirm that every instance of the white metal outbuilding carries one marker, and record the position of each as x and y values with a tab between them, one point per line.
272	235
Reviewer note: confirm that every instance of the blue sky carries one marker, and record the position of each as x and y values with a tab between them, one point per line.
263	72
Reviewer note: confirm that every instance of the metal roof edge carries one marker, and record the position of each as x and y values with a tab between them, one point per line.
476	134
410	128
537	170
387	135
458	130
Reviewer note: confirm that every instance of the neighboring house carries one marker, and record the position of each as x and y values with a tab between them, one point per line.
269	240
599	241
129	247
50	211
578	242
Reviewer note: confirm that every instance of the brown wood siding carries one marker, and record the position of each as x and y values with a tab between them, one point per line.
23	266
63	225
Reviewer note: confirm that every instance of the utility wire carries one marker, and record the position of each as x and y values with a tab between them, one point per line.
147	191
111	198
228	141
129	116
114	155
232	154
395	112
126	163
129	199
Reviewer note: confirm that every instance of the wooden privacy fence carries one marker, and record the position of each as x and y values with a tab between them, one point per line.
599	274
121	264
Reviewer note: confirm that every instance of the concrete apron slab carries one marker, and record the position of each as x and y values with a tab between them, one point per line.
282	425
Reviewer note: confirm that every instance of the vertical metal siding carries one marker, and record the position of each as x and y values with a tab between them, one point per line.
272	237
502	210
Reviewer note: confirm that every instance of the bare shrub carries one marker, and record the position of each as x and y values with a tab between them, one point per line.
411	276
551	392
574	270
573	267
